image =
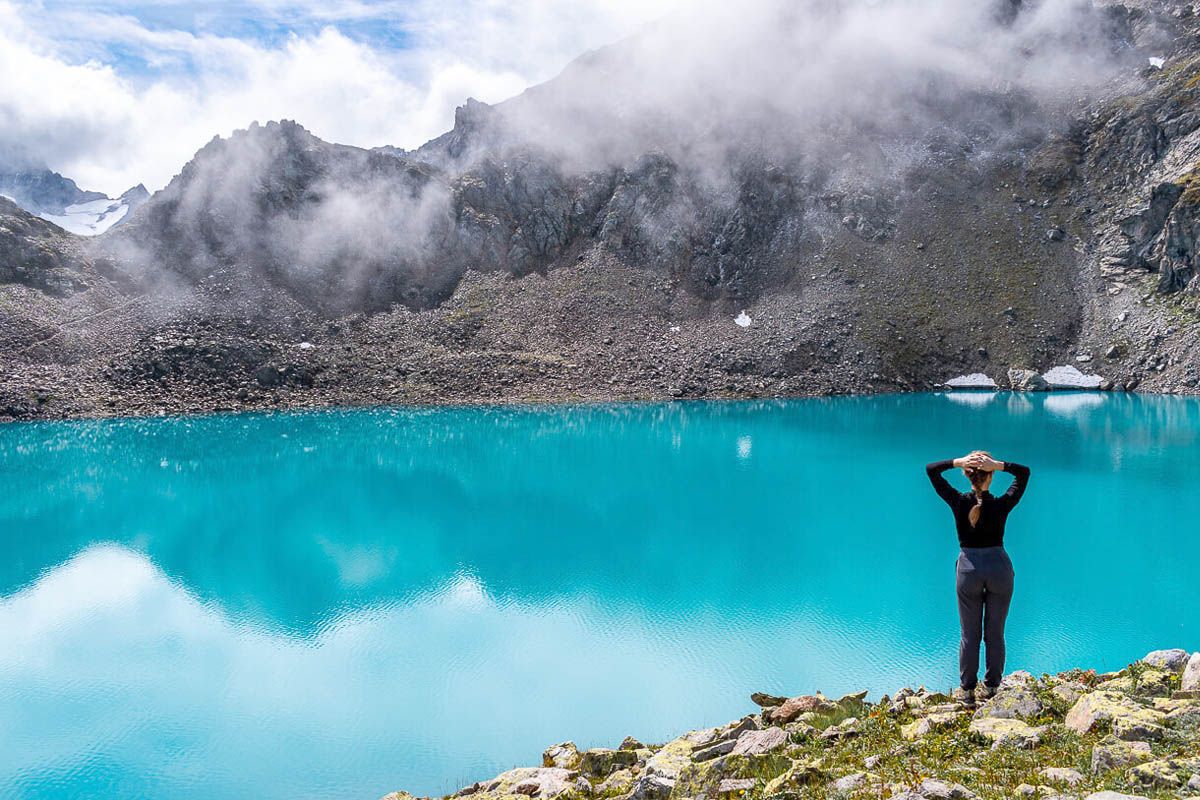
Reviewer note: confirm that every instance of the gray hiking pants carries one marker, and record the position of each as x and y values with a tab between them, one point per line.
985	587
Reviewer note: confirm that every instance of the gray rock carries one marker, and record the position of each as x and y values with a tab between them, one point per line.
1115	754
1191	674
1001	731
1100	706
652	787
752	743
721	748
1107	795
1026	380
1170	660
1016	703
767	700
564	755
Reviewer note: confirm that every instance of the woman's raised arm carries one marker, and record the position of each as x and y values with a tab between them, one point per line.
940	485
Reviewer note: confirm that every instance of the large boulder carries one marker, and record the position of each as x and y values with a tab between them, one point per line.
1191	674
1026	380
1172	661
1108	706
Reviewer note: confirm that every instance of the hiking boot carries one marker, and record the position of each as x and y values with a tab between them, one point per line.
965	697
987	692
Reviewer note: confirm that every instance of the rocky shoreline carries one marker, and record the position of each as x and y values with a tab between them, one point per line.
596	331
1123	735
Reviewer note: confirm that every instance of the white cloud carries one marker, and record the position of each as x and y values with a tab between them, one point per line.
88	116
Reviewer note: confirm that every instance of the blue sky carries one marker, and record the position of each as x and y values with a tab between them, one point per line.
120	92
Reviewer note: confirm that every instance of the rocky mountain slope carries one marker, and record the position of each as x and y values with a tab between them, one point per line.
1114	736
782	216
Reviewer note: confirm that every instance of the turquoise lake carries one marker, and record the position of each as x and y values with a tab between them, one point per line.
345	603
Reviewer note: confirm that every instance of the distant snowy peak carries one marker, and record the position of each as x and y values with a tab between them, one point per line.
57	199
91	218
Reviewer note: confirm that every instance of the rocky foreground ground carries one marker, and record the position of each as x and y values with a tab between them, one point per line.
1078	734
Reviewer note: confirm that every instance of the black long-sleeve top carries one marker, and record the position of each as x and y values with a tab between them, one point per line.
989	532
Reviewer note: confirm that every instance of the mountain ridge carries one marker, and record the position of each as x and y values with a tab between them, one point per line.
543	249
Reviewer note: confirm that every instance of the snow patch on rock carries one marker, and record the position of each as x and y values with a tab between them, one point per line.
1068	377
743	320
976	380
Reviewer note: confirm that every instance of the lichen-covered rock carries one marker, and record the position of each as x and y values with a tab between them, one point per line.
1165	773
1069	691
925	725
1105	706
630	743
541	782
671	758
1173	660
1137	731
598	762
1149	682
1109	795
704	778
1016	703
799	775
564	755
618	782
1113	753
1001	731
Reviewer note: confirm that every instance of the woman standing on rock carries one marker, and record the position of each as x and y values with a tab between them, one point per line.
984	571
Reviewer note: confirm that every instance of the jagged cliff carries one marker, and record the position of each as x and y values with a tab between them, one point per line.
1127	735
1021	198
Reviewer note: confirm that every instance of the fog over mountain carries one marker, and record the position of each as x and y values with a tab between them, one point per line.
895	192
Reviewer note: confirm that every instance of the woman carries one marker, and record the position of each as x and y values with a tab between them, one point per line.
985	575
